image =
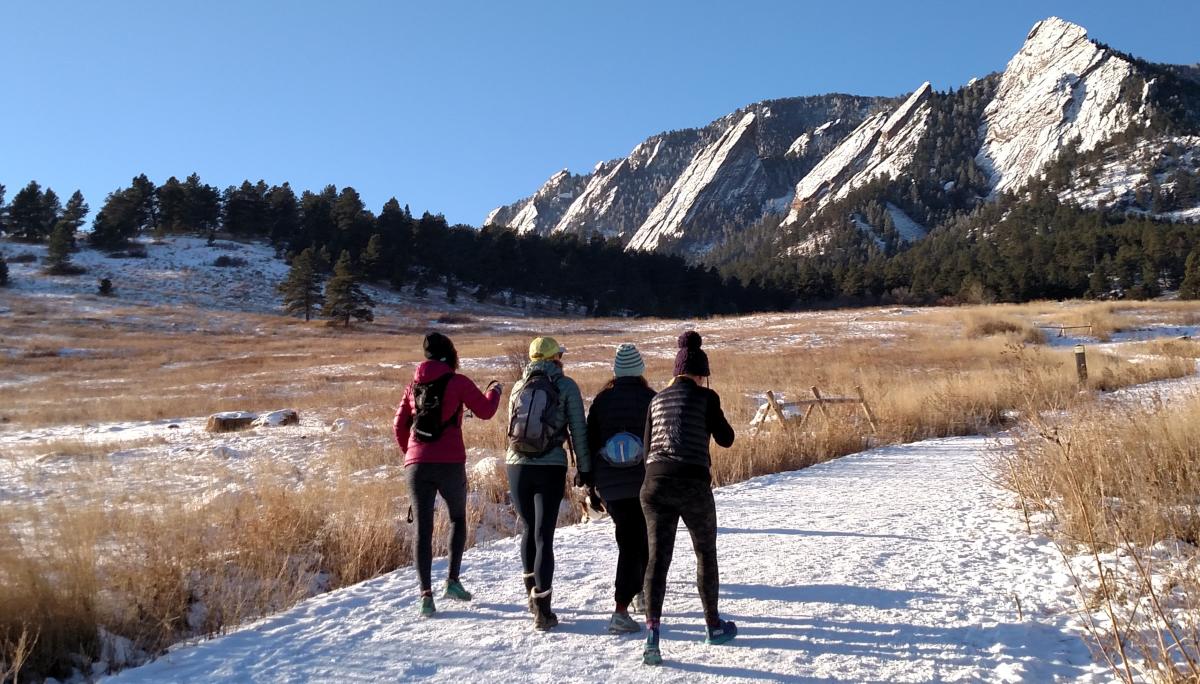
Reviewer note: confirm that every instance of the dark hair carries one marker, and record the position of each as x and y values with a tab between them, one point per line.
439	347
613	382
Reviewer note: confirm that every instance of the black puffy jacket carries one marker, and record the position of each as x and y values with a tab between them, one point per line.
682	418
620	408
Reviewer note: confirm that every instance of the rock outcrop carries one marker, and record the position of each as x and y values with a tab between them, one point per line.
1060	87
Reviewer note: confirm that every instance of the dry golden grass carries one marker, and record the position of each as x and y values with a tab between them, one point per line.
141	567
980	324
1116	482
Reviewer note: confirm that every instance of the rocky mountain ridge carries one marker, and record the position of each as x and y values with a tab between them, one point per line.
687	192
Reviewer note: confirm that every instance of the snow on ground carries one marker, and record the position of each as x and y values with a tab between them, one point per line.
898	564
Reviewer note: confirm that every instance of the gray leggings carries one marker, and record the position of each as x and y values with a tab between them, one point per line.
425	482
664	501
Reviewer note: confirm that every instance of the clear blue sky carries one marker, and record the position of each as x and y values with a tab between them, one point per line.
457	106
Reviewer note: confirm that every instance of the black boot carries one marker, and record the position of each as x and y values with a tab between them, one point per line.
543	619
530	581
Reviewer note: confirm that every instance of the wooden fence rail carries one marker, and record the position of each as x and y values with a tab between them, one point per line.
821	403
1063	328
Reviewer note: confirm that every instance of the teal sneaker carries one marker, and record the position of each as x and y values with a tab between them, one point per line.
455	590
651	655
427	609
723	633
621	623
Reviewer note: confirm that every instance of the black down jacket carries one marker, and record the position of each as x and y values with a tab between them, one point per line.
682	418
620	408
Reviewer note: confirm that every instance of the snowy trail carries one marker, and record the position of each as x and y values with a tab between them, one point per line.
898	564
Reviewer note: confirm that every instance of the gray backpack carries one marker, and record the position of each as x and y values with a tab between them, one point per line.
532	427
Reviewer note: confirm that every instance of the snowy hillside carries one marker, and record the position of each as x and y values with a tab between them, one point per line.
899	564
181	270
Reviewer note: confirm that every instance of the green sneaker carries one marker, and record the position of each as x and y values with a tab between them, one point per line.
427	609
455	590
651	655
723	633
621	623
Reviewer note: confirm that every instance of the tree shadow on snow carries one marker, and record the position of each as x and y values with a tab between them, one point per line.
843	594
1049	652
815	533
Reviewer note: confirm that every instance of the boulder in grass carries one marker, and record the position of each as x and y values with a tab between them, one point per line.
278	418
230	421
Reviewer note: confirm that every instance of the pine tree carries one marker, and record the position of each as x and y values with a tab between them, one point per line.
58	255
1190	287
202	205
51	211
3	211
117	220
3	271
344	297
301	289
373	259
172	207
74	214
26	214
144	196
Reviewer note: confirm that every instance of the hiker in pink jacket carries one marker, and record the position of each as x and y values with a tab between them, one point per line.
428	429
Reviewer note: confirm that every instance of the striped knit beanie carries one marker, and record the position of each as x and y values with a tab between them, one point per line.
629	362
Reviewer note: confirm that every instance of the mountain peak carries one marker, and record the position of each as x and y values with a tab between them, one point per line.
1054	30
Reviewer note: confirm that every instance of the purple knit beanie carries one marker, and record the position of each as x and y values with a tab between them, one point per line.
691	359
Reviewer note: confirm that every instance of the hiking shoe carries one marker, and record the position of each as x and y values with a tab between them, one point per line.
427	609
621	623
455	590
723	633
543	619
638	604
650	654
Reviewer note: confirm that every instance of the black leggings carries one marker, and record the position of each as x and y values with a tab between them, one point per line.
425	481
632	548
665	500
537	492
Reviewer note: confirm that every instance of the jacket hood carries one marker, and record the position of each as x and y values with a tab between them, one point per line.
550	368
431	370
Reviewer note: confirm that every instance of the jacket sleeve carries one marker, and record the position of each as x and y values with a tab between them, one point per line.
593	424
403	422
718	426
484	406
578	427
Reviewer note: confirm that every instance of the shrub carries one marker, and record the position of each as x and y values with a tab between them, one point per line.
224	261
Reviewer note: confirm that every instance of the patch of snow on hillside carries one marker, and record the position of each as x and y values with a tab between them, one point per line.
909	230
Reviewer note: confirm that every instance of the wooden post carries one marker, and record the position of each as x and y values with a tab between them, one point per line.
820	402
775	407
1081	364
807	413
867	409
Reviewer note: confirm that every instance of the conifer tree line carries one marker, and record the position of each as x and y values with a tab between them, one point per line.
347	243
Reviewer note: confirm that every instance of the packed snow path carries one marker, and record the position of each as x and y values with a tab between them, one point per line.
898	564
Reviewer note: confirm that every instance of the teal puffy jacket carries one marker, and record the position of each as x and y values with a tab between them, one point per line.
570	407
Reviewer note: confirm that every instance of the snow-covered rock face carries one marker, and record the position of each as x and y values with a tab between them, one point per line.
883	144
675	191
541	213
726	168
1060	86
